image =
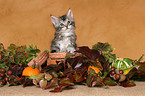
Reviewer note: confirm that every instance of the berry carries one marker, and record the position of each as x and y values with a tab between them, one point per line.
117	76
112	72
2	82
2	70
121	71
6	79
2	74
9	72
112	68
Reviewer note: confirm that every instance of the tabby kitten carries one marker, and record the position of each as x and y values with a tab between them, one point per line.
65	37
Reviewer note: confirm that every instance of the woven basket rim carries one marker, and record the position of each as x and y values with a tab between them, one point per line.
57	55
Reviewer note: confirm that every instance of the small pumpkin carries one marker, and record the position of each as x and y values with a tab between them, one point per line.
29	71
94	68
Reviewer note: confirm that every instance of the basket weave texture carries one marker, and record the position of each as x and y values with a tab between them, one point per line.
57	56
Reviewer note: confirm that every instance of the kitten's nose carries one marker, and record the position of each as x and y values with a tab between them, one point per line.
66	26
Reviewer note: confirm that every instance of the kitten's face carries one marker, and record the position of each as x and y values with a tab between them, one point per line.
64	23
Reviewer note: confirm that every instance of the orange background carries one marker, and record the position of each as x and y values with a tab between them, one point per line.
119	22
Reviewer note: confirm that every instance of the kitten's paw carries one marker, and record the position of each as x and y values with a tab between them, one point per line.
71	50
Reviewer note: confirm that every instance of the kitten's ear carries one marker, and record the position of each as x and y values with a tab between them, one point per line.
69	14
54	20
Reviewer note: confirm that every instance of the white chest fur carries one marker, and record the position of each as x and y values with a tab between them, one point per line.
65	42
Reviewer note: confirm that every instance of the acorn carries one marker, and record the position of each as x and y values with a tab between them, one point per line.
2	82
6	79
113	72
121	71
112	68
2	70
117	76
9	72
2	74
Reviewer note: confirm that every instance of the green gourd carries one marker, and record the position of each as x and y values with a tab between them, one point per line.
124	64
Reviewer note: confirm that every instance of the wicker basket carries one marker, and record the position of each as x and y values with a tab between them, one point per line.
58	56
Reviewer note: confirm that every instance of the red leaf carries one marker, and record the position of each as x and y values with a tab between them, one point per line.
92	54
66	81
89	80
25	81
74	61
58	89
109	81
70	76
141	68
82	70
95	54
78	77
50	67
85	50
67	71
129	83
98	80
17	69
131	73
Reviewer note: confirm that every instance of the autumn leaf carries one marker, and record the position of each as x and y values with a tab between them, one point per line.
129	83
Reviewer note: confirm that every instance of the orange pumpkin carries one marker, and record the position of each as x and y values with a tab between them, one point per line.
94	68
29	71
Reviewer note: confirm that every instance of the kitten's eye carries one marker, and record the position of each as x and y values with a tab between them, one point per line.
68	22
61	24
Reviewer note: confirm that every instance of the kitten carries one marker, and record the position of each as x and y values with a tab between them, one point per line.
65	37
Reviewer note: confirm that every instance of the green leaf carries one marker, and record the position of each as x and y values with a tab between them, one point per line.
68	55
24	59
34	66
98	80
92	72
122	78
54	74
105	47
109	81
43	84
3	66
66	81
78	77
41	76
33	46
68	65
54	81
12	46
17	60
35	82
30	58
140	58
46	51
1	47
89	80
13	52
37	51
48	76
104	75
33	77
